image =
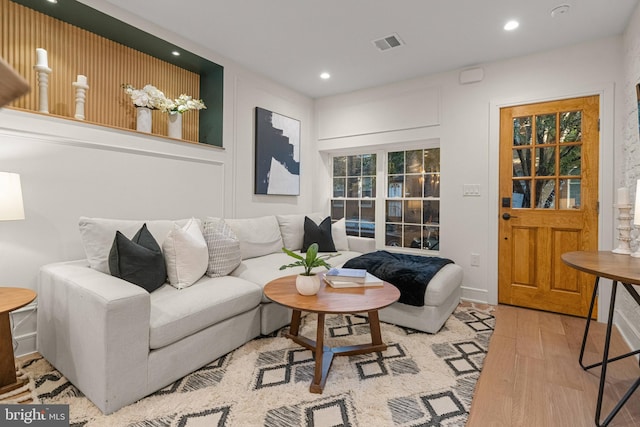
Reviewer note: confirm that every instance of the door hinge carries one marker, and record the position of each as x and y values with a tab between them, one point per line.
598	125
598	207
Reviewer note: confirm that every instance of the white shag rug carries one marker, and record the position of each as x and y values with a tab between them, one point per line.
420	380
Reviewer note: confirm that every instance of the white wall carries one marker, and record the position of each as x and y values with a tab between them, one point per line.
70	168
627	315
467	127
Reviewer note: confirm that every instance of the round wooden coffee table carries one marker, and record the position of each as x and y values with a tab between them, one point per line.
10	299
337	301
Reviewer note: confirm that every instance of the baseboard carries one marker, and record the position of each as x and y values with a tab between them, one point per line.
474	295
628	330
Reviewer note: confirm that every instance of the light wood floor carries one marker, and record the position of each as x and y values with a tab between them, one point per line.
531	376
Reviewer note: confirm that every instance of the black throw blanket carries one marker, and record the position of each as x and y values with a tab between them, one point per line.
409	273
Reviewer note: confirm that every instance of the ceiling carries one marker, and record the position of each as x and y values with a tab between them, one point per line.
293	41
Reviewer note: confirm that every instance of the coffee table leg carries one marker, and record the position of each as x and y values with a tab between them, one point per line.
374	327
294	328
323	359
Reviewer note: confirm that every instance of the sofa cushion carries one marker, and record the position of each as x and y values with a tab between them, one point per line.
258	236
318	233
262	270
223	247
339	235
176	314
97	236
292	229
138	261
185	254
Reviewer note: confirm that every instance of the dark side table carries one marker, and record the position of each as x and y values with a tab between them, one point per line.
624	271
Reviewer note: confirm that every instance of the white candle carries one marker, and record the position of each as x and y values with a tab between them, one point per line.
82	79
41	55
623	196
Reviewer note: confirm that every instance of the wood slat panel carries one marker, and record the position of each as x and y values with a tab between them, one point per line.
107	65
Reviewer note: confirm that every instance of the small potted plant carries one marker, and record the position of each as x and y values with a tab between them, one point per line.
308	283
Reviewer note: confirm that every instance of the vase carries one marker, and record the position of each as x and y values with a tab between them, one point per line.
174	125
308	285
143	119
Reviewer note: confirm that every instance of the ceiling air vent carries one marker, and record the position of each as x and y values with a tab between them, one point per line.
388	42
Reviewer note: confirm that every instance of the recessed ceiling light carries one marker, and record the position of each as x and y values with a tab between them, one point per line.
53	1
175	53
511	25
325	76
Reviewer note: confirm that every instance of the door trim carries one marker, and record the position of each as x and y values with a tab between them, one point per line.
605	180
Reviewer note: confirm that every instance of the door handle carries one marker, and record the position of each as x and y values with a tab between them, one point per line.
507	216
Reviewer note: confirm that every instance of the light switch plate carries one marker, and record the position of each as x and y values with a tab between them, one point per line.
471	190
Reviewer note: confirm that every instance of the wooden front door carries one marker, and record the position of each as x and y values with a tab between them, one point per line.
548	202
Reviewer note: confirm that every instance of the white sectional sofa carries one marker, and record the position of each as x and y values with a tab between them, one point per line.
118	343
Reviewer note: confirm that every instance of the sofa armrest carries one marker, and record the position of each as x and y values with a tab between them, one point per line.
361	244
94	328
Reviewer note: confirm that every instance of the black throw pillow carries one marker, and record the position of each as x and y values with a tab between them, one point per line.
320	234
139	260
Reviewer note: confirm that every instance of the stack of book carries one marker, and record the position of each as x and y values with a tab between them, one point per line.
350	278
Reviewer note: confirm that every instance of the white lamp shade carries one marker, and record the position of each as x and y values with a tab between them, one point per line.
11	206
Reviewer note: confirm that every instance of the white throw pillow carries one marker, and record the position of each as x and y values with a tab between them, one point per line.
339	234
292	229
258	236
97	236
186	254
224	247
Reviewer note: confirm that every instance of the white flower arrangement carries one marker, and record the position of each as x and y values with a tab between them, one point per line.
185	103
151	97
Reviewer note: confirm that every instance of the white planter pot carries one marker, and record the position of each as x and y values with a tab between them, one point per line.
308	285
174	125
143	119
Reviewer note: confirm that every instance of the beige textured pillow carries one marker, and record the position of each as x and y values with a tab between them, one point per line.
224	247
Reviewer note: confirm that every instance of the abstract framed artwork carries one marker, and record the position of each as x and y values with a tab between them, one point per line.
277	155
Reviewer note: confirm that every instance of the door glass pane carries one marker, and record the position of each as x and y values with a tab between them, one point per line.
546	129
521	195
431	211
570	160
340	166
354	165
414	186
353	187
522	130
414	161
337	209
393	235
412	236
432	160
432	185
396	162
396	186
545	193
571	126
368	210
522	162
338	187
369	164
394	211
369	186
413	211
545	161
569	194
353	210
